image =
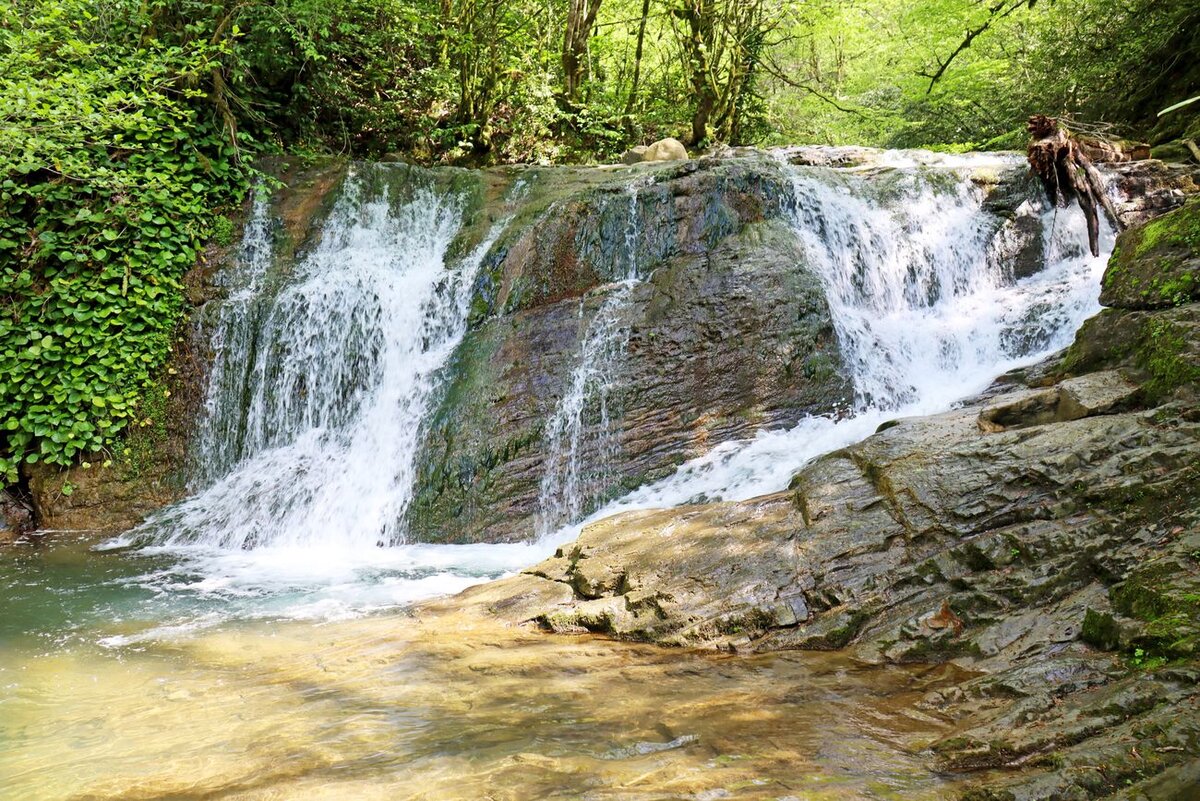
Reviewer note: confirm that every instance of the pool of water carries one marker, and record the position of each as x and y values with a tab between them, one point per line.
403	706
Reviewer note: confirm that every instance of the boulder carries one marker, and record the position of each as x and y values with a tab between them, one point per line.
1157	266
666	150
1083	396
635	155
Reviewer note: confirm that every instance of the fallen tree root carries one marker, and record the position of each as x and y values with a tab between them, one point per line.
1066	173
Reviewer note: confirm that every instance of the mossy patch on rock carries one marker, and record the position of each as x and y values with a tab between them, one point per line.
1157	265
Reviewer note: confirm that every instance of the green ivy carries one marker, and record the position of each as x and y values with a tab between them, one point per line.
113	171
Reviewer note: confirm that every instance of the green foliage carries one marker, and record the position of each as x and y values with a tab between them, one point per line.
148	433
1107	62
126	127
113	166
1163	355
1140	659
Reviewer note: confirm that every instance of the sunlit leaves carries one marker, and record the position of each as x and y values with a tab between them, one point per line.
109	151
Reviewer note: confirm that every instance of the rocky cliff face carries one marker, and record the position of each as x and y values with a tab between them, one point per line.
725	330
1046	535
728	332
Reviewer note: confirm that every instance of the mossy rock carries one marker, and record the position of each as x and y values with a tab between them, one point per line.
1157	265
1161	346
1166	596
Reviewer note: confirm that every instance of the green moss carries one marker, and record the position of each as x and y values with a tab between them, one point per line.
1164	597
1100	631
1154	266
147	434
1180	228
1162	355
753	622
840	636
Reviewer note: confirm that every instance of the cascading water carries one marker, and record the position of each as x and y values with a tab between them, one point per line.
316	435
231	337
322	377
320	383
924	309
580	442
923	299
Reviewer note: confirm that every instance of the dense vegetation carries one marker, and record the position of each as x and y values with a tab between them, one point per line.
127	127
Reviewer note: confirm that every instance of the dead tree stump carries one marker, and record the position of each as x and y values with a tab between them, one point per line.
1066	173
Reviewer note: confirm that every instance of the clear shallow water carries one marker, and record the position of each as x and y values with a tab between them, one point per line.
443	708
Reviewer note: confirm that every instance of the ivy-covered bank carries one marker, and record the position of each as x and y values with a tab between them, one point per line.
116	168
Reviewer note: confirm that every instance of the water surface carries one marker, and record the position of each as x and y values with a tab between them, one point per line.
431	707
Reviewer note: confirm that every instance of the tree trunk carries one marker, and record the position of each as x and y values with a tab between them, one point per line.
637	62
581	18
1066	172
699	16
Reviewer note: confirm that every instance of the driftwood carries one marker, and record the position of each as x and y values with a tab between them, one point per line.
1057	159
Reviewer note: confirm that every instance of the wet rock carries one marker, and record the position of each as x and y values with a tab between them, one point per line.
16	517
100	500
1083	396
1112	151
846	156
1023	410
728	333
1104	392
1148	189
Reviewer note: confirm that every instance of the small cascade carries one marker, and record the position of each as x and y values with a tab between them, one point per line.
925	307
581	444
231	336
322	378
924	302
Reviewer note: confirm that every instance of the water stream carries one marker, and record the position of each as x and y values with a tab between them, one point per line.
223	649
579	434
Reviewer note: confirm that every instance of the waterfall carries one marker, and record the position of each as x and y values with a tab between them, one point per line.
924	302
323	374
321	378
926	311
581	444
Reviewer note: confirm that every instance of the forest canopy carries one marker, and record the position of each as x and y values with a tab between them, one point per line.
521	80
128	128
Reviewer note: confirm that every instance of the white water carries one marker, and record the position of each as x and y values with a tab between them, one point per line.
581	445
349	353
322	426
924	306
313	415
